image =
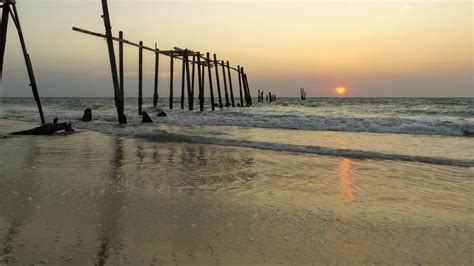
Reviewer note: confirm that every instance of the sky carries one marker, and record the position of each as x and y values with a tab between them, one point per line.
383	48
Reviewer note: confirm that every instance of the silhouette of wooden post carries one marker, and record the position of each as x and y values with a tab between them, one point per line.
140	77
240	86
121	68
29	66
157	67
218	81
188	80
191	106
248	89
230	85
203	80
227	103
201	105
171	78
118	96
210	80
183	69
244	84
3	35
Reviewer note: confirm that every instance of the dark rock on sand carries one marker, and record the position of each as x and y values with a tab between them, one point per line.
146	118
161	114
87	115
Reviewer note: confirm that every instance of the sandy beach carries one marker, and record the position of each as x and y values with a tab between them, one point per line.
97	198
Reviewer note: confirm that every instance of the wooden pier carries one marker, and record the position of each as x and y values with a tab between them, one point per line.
196	59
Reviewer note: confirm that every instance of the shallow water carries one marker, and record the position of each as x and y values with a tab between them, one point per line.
117	199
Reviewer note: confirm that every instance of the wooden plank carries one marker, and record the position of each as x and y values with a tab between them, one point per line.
140	78
199	83
191	107
230	85
227	103
3	35
218	82
121	67
188	81
208	55
183	81
157	68
171	80
29	66
240	88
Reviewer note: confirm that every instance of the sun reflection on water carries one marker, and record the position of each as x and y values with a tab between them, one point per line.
345	180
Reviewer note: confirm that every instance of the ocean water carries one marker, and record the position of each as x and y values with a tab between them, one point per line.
427	130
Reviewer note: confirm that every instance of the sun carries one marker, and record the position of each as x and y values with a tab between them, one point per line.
341	90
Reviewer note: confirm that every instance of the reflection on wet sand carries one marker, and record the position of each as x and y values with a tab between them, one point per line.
345	180
112	201
134	201
20	205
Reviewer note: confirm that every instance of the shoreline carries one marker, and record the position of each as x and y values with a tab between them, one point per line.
96	197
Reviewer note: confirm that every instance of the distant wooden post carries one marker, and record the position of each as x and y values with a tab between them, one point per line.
244	84
248	89
218	82
240	87
3	35
140	78
188	80
210	80
203	80
171	79
227	103
230	85
183	69
191	106
201	106
157	67
113	65
121	68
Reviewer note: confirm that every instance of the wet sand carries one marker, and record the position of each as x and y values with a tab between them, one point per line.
92	198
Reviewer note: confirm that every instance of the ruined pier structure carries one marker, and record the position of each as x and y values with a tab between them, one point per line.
193	62
9	10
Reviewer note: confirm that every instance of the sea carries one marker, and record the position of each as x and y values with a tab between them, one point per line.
429	130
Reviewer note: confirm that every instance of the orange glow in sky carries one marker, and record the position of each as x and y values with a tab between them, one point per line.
341	90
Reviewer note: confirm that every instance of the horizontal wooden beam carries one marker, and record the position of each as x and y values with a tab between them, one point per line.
163	52
203	57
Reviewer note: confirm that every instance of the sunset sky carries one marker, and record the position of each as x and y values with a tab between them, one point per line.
373	48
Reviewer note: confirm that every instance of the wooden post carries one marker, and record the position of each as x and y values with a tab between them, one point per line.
240	87
121	67
210	80
199	82
183	69
157	67
140	78
191	106
248	89
118	96
201	94
227	103
230	85
188	80
171	79
244	84
29	66
3	35
217	81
